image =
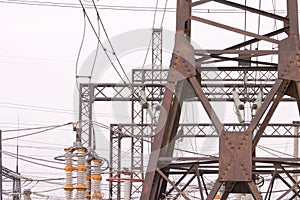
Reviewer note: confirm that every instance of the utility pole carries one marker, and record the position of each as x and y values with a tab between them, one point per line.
17	182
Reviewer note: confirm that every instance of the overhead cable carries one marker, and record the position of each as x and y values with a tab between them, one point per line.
34	133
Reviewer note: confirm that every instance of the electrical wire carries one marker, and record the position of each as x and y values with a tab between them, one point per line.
110	44
28	157
126	8
30	129
51	190
153	23
34	133
80	49
36	163
164	13
97	48
263	147
104	49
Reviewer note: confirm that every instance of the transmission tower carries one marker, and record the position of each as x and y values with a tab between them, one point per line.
260	83
236	165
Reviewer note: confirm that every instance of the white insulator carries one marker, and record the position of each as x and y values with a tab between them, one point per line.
96	176
81	170
80	195
81	160
127	185
68	157
69	178
68	195
80	178
238	106
88	177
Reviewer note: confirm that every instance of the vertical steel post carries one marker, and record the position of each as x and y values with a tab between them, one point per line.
156	54
296	146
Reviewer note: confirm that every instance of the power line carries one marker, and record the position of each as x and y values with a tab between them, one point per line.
80	49
104	49
50	109
35	128
110	44
164	13
125	8
34	133
36	163
29	157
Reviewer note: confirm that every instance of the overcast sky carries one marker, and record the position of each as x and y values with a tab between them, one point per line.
38	51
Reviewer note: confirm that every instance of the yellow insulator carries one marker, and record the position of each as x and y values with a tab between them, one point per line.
81	168
68	187
87	195
81	187
96	160
88	177
218	196
97	177
97	195
69	168
66	150
82	150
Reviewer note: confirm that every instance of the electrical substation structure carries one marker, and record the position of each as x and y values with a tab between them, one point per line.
262	85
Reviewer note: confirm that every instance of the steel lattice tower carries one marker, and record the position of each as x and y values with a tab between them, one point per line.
189	79
237	164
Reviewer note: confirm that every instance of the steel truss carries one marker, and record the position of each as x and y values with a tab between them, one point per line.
154	94
16	181
189	79
218	83
237	166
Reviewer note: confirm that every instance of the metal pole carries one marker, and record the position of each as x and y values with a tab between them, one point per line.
296	145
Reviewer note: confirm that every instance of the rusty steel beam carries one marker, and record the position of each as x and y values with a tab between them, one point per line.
253	10
280	92
236	30
200	2
171	182
238	59
233	51
271	34
208	108
235	145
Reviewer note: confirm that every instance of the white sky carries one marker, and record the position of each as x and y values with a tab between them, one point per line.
38	51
